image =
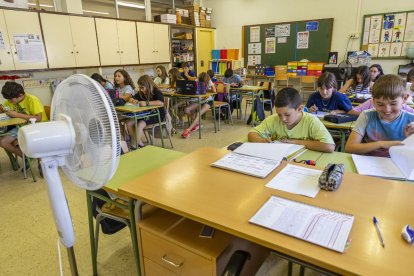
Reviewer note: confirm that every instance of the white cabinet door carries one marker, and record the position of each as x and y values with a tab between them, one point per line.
128	47
84	41
58	40
107	33
25	39
162	43
6	58
145	32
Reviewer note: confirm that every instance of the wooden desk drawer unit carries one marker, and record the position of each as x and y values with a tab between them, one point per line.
171	244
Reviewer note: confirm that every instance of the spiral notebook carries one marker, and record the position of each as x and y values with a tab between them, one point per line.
320	226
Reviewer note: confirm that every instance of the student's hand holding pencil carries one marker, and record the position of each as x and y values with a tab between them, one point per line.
313	109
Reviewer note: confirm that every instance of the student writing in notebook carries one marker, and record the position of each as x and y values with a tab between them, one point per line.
292	125
327	99
360	84
187	73
376	130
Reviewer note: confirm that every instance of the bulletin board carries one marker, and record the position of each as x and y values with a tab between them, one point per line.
387	35
278	43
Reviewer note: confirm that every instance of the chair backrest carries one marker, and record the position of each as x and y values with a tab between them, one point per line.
267	84
223	88
308	81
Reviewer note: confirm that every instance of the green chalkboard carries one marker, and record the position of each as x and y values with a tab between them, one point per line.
318	48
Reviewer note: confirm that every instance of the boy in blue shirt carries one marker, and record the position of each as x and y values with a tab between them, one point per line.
376	130
187	74
328	99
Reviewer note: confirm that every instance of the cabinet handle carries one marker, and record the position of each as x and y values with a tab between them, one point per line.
122	52
164	258
77	52
117	52
15	53
8	53
71	52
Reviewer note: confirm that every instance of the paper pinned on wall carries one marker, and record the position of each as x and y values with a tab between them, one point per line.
270	45
373	50
2	44
374	36
270	31
365	38
281	39
395	49
406	45
303	40
398	35
400	20
254	48
312	25
376	22
386	35
367	23
409	27
384	50
282	30
255	34
254	59
29	48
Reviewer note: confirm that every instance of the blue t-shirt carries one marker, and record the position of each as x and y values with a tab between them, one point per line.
338	101
190	73
233	79
372	129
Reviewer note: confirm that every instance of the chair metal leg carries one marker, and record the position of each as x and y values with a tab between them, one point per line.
219	117
169	137
302	271
97	225
91	234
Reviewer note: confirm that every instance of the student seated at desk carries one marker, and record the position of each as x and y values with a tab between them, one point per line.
292	125
187	74
376	130
174	75
124	84
148	94
234	79
360	84
104	82
212	76
328	99
22	105
376	72
162	77
191	109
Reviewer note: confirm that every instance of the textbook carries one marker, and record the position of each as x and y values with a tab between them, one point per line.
256	159
313	224
400	166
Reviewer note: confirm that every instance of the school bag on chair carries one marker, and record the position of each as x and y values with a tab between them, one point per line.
258	114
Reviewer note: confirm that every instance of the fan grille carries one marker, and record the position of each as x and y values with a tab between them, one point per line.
95	156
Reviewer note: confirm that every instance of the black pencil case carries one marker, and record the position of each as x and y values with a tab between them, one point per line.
340	118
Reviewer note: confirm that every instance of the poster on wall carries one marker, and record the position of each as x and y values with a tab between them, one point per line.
400	20
282	30
303	40
388	21
270	47
254	48
406	45
253	60
376	22
270	31
29	48
255	34
374	36
384	50
312	25
282	40
373	50
409	27
395	49
398	35
386	35
333	58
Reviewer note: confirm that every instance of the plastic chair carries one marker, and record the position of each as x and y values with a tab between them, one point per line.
307	85
265	95
150	129
222	89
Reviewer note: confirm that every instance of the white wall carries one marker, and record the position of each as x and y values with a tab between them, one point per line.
230	15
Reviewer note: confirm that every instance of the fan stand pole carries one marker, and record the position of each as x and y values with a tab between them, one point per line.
72	261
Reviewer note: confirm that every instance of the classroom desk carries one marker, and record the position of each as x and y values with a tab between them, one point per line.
199	98
138	112
227	200
246	90
131	166
342	129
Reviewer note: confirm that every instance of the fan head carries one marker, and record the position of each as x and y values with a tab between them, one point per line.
345	70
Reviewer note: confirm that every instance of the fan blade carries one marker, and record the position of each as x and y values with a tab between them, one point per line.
58	201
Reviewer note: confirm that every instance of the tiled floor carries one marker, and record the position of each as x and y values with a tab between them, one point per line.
28	237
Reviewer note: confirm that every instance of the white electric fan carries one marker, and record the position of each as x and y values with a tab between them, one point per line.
83	138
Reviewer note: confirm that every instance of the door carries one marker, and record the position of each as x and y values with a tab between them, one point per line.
107	33
145	32
162	43
25	39
84	41
58	40
6	57
128	45
205	43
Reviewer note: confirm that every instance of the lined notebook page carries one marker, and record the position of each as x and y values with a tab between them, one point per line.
323	227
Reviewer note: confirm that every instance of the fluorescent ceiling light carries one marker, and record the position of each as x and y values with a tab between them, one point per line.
131	5
41	5
97	12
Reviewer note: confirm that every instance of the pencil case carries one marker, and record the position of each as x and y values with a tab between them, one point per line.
331	177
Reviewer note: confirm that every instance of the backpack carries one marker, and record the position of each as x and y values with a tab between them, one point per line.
258	114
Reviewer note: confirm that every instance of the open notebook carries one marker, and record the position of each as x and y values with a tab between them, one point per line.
257	159
400	166
320	226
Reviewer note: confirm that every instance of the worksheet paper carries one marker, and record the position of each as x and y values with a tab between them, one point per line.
323	227
273	151
245	164
297	180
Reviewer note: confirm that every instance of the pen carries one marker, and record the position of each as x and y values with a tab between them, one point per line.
379	231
